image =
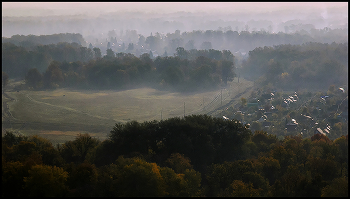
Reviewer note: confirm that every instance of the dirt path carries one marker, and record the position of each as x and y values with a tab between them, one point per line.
6	111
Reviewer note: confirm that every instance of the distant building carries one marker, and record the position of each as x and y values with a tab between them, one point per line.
319	131
263	118
261	108
291	126
326	130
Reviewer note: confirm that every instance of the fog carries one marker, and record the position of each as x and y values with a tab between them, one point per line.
91	8
96	19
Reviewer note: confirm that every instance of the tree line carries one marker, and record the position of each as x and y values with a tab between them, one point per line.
197	155
34	40
310	65
80	67
315	65
233	40
132	42
17	60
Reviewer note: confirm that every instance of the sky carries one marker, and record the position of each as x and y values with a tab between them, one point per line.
71	8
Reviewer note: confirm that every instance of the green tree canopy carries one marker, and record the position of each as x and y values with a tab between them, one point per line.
46	181
33	78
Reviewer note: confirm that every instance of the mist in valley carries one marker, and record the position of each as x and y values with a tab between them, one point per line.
98	22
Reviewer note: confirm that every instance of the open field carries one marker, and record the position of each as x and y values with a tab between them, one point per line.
61	114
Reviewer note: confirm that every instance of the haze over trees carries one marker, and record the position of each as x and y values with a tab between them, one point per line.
312	65
285	66
75	66
96	22
139	32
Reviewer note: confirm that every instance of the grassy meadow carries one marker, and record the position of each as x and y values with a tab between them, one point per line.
59	115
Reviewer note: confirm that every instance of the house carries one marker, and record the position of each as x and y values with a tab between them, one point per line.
273	109
262	118
294	121
326	130
319	131
291	126
261	108
306	118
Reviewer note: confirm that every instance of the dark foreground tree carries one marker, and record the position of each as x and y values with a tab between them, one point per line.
201	138
46	181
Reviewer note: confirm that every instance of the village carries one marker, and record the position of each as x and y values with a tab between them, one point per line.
294	113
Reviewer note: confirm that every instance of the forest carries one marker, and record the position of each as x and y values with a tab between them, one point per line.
285	66
310	65
77	66
197	155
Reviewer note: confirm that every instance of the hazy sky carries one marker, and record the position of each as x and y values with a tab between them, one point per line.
58	8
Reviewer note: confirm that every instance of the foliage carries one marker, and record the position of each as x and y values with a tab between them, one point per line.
17	60
46	181
338	188
82	179
294	66
53	76
178	163
12	179
77	150
138	178
49	155
196	155
33	78
71	65
263	141
201	138
241	189
220	176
